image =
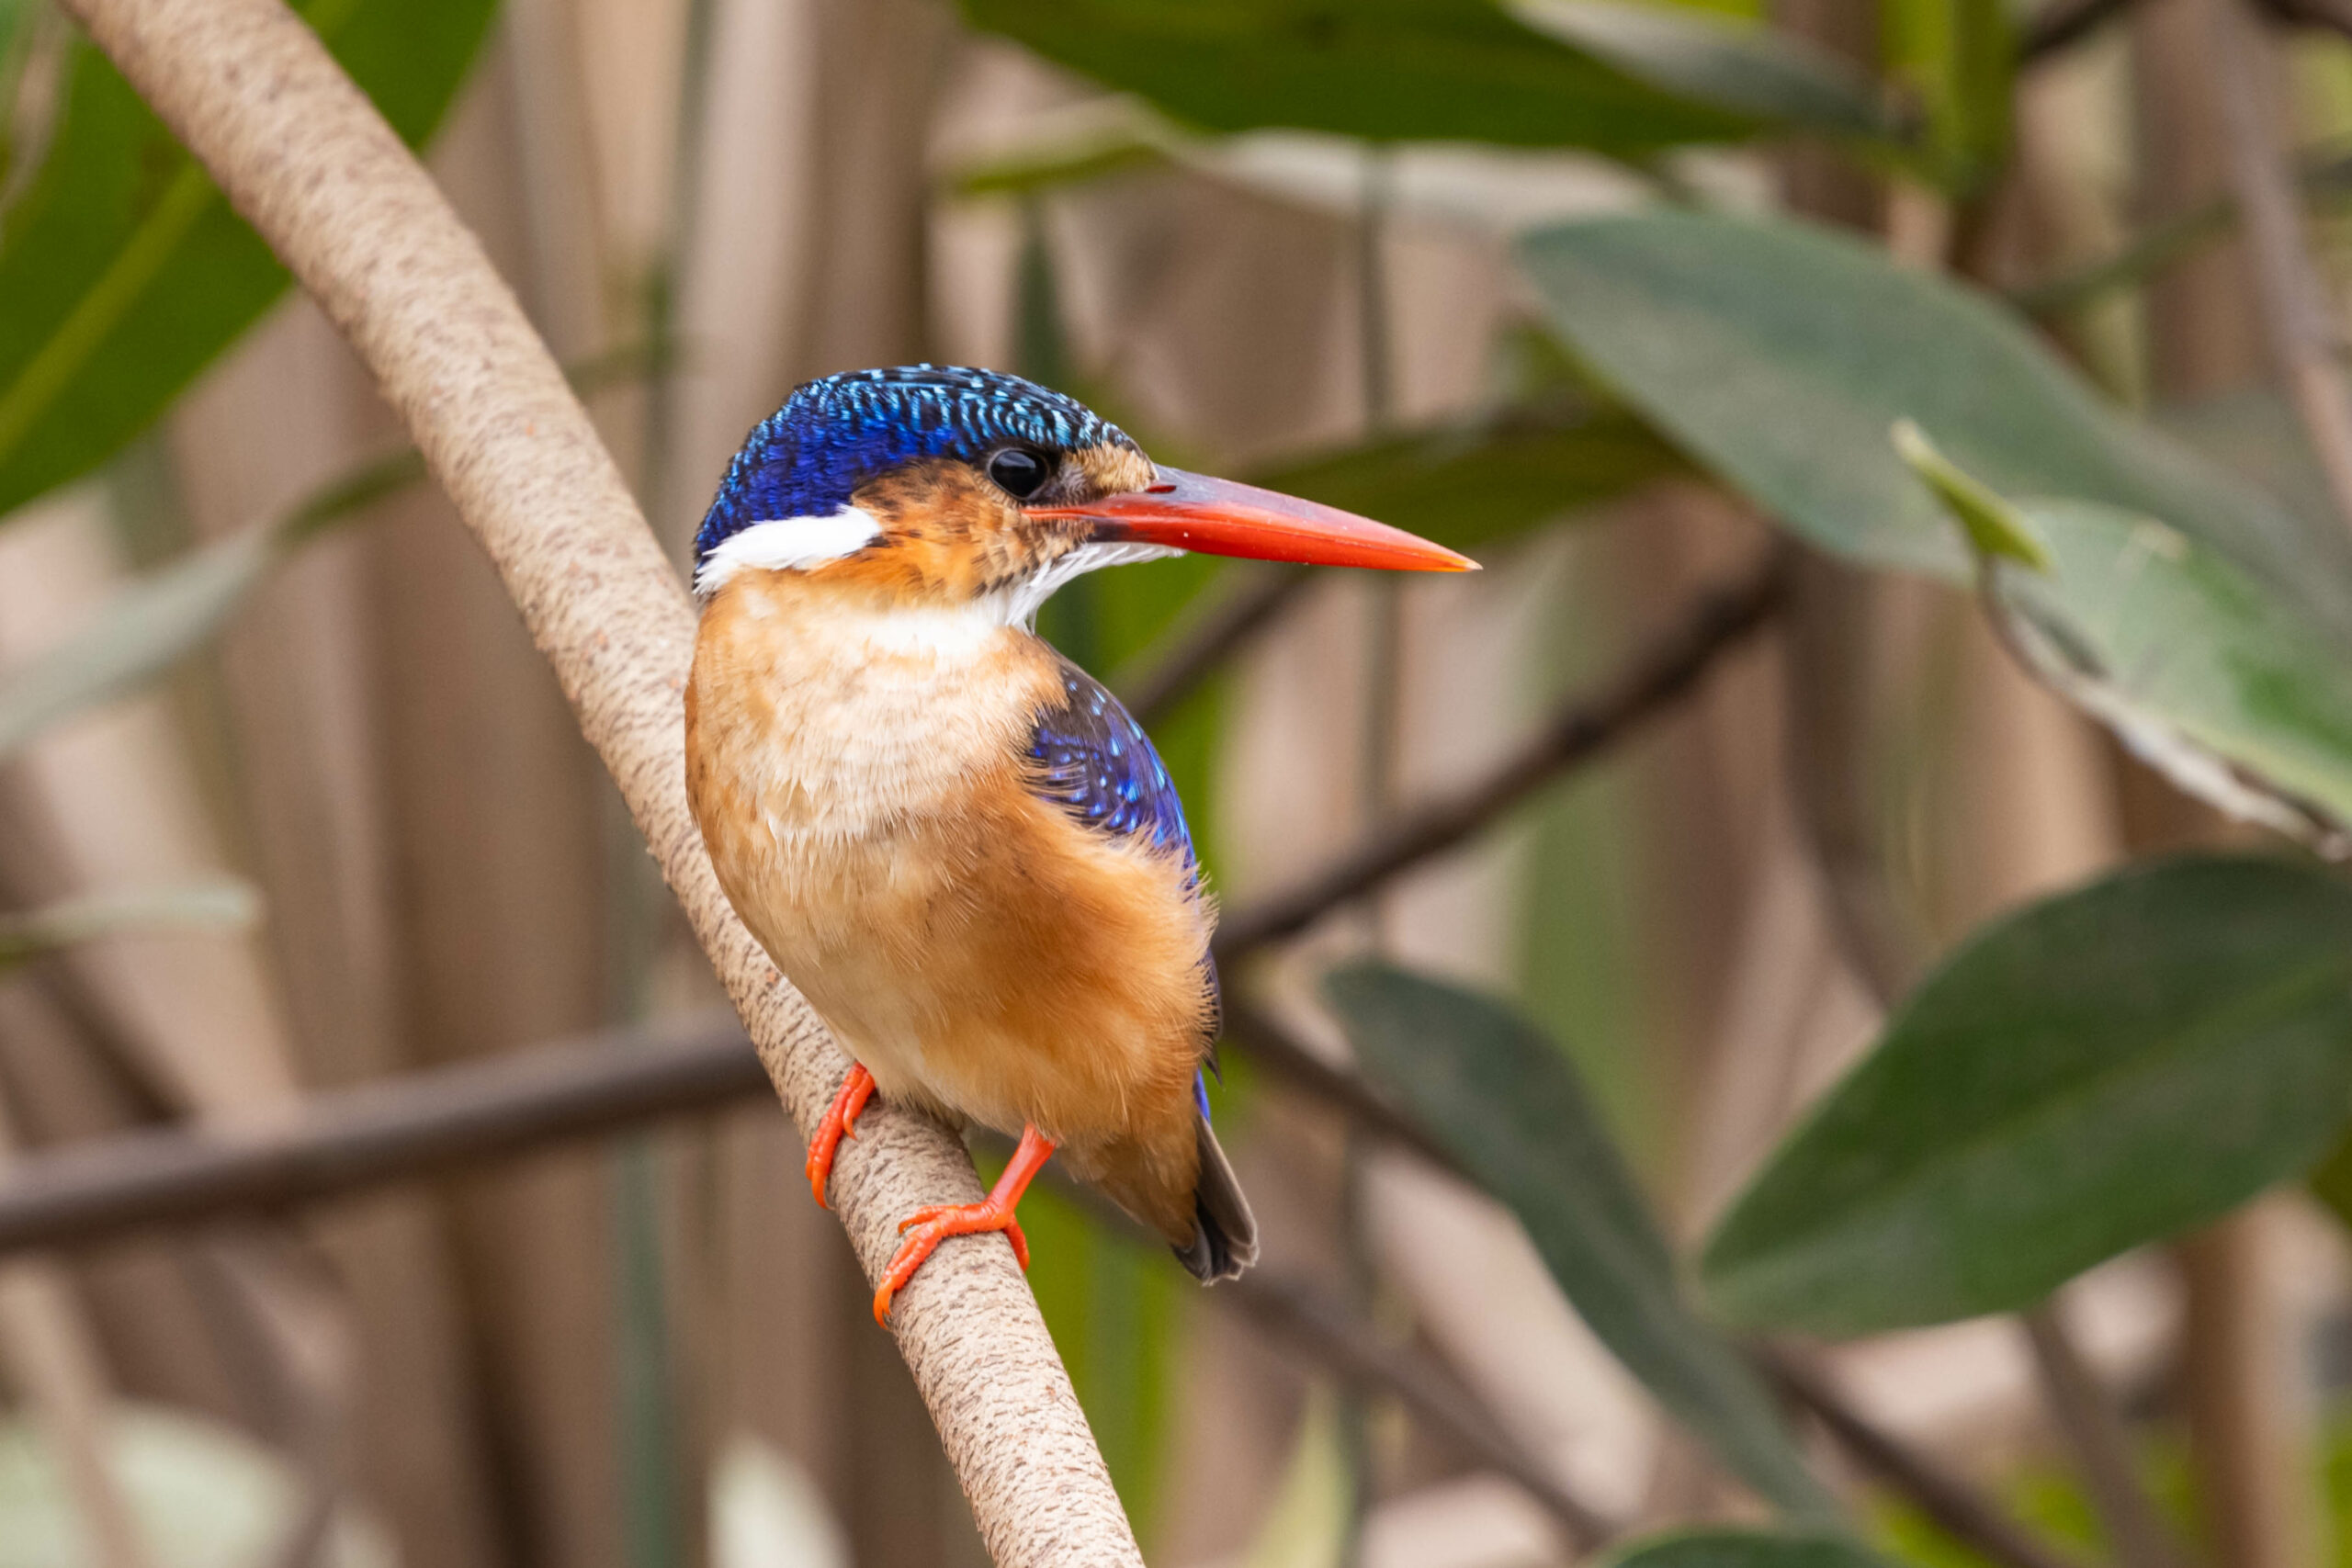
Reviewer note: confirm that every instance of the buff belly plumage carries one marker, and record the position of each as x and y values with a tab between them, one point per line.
860	780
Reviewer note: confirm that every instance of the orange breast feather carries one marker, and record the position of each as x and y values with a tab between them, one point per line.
860	775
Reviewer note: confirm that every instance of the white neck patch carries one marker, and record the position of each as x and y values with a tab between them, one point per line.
1018	606
787	543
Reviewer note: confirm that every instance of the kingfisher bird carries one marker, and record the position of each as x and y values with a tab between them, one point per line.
955	843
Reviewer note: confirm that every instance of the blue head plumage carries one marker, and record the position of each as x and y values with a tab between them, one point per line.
834	433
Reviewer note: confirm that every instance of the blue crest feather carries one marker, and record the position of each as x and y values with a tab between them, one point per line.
833	435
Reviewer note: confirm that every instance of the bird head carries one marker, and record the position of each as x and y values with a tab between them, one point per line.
946	486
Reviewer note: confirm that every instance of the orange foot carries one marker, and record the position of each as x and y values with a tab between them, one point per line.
841	1122
926	1228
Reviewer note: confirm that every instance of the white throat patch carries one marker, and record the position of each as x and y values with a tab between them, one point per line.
787	543
1019	605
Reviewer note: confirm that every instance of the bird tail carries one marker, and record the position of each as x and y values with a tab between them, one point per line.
1225	1233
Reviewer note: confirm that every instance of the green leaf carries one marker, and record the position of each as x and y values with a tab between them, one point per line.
2232	690
1468	484
2101	1070
1958	58
198	905
1387	70
1779	356
1993	526
1744	1549
1503	1099
1730	63
1092	152
154	624
122	270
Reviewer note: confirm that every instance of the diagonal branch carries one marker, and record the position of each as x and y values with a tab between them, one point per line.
1174	668
307	160
1648	684
1944	1497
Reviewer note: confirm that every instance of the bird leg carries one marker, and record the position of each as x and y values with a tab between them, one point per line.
839	1122
927	1227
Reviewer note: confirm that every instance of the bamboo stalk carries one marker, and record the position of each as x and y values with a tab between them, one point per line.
2298	320
308	162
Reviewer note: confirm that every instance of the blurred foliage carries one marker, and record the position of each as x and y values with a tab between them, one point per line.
123	269
1503	1100
1728	63
2235	695
1779	356
197	906
1743	1548
2107	1068
1387	70
151	625
1480	482
1956	57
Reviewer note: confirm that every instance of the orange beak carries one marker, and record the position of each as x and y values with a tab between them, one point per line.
1219	517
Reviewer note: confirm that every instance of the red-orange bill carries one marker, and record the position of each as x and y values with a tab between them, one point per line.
1221	517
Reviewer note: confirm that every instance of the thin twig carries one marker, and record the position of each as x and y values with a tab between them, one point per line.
1198	646
2297	316
2331	15
308	160
1276	1048
1935	1491
1304	1316
413	1126
1586	726
2102	1447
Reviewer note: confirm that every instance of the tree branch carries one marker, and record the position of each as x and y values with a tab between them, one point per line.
1944	1497
307	160
1295	1311
1587	725
2102	1447
2297	316
1194	648
398	1130
430	1123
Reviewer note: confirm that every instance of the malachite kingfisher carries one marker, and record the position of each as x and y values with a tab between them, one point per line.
955	843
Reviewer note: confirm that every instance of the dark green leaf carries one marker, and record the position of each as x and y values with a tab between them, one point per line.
1726	62
2104	1069
1745	1549
199	906
1388	69
1779	356
1466	485
1504	1100
122	270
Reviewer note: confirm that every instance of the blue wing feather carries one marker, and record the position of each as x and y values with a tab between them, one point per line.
1094	761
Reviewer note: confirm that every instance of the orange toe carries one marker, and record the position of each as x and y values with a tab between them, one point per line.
839	1122
927	1227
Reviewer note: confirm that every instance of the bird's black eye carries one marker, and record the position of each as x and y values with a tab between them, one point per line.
1018	471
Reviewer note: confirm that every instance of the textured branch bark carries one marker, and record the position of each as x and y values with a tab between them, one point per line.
308	160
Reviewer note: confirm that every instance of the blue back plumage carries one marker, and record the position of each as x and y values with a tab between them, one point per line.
834	433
